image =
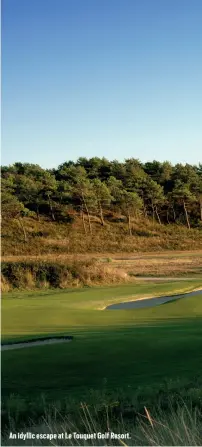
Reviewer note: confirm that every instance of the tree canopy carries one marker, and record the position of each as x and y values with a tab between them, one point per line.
159	190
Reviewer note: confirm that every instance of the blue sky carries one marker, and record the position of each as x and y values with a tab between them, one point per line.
112	78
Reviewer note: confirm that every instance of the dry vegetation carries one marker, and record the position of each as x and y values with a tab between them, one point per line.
43	275
159	266
108	256
77	271
45	237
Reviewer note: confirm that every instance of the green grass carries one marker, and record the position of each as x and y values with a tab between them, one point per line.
131	357
136	357
124	348
77	310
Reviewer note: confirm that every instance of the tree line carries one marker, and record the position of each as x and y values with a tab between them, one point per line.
161	191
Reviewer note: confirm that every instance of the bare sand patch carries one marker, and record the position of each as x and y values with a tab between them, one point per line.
32	343
150	301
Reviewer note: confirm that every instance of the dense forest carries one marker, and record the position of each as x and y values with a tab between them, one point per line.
158	191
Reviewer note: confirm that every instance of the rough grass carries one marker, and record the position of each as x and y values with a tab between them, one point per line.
174	420
43	275
47	237
47	271
169	266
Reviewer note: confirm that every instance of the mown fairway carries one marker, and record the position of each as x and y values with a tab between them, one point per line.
119	348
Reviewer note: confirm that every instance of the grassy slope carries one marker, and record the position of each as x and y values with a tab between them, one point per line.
113	345
64	238
25	313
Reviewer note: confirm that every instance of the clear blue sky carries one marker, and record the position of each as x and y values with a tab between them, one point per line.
113	78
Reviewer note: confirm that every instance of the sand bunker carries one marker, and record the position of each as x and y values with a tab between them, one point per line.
150	302
36	342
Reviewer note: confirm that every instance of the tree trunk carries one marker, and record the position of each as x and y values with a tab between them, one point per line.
153	211
200	203
23	228
144	206
186	215
101	214
87	211
83	221
37	213
51	208
174	215
145	211
129	225
167	215
158	217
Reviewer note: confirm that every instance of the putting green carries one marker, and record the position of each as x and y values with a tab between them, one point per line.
122	348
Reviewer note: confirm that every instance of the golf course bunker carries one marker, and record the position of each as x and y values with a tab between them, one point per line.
150	302
36	342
